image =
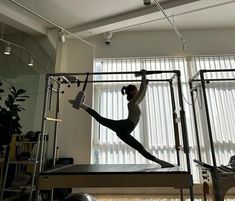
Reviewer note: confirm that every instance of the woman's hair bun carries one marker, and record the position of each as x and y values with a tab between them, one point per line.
123	90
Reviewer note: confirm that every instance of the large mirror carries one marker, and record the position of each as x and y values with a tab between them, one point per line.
24	61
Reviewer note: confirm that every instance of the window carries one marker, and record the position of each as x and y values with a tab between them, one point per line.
155	129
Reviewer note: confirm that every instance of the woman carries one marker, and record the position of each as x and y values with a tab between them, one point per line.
123	128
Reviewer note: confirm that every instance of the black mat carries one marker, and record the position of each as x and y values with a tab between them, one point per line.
112	169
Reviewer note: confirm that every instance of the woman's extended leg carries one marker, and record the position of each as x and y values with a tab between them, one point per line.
131	141
111	124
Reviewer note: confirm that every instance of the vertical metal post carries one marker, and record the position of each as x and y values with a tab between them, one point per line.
184	130
208	119
47	82
56	124
195	121
175	124
216	183
176	129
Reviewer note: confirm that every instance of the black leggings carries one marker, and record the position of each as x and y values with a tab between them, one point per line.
123	129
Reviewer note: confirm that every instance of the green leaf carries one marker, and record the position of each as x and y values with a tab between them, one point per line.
1	90
13	88
20	99
22	108
7	103
20	91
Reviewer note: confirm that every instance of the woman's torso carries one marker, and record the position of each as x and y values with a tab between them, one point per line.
134	112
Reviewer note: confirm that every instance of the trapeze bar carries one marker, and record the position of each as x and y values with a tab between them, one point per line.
113	73
53	119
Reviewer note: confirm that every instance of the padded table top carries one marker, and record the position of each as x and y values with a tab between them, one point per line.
112	169
112	176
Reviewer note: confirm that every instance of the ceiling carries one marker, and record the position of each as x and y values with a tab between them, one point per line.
91	17
220	15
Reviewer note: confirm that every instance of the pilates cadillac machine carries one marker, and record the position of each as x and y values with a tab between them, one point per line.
103	176
216	180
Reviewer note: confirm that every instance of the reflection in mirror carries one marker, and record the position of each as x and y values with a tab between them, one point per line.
24	61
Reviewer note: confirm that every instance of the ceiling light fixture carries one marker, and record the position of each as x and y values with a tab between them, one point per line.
7	50
31	61
107	38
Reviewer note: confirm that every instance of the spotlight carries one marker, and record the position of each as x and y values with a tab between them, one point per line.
108	37
147	2
7	50
61	35
31	61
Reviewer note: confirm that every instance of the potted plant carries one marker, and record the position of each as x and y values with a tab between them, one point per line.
9	114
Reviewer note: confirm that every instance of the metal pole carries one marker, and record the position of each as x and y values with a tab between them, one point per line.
175	124
218	70
216	182
195	120
183	42
56	125
217	80
176	131
184	130
208	118
113	73
47	83
42	138
115	81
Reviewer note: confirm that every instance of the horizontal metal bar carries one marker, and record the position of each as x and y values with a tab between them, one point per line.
216	70
110	81
215	80
112	73
116	81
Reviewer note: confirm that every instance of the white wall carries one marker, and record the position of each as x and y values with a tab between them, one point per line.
166	43
74	136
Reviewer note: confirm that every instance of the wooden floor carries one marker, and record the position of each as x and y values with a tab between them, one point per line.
149	198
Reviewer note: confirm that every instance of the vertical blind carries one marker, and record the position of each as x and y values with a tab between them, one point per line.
155	129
